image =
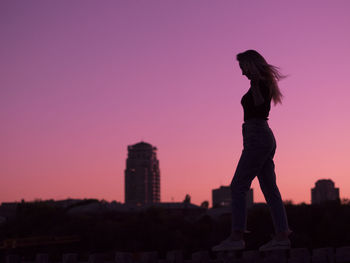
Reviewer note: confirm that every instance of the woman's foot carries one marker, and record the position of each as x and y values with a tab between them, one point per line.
283	235
275	245
236	235
229	244
280	241
233	242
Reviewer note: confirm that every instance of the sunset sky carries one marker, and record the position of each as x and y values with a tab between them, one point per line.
82	80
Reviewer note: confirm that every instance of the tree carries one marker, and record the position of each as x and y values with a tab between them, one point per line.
187	199
205	204
345	201
288	202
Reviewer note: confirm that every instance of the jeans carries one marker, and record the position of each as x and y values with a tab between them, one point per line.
259	147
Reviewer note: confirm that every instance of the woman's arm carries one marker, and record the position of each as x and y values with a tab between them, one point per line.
257	96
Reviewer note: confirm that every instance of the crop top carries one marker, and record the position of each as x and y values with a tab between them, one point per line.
257	112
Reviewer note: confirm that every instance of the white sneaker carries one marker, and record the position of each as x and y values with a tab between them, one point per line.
275	245
229	245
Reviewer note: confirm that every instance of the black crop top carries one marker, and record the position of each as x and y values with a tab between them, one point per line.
257	112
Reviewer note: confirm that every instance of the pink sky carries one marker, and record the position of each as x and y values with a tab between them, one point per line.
82	80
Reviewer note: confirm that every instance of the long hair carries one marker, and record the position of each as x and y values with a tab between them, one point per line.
260	69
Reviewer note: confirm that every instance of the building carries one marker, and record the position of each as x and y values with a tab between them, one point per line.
222	197
324	191
142	175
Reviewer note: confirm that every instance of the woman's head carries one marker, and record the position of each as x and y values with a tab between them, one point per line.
254	66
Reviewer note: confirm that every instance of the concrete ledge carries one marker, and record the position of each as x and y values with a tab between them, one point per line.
323	255
342	255
175	256
70	258
294	255
13	259
299	255
42	258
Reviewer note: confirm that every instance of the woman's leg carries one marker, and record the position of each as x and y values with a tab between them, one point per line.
267	181
249	166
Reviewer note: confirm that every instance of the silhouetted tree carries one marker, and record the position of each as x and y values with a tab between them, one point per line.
288	202
205	204
345	201
187	199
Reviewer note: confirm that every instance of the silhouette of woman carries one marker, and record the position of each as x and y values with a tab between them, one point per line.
259	147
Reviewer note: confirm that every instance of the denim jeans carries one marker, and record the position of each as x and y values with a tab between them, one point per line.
259	147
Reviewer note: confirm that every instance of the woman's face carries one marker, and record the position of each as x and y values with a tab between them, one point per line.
244	69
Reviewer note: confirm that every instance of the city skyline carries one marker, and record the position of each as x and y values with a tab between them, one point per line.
141	152
82	80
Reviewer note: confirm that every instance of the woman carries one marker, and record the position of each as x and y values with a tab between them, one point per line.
259	147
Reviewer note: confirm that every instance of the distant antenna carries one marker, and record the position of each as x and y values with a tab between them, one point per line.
172	199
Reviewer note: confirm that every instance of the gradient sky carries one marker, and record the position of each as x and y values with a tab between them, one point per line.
82	80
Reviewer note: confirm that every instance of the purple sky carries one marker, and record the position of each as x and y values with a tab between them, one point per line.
82	80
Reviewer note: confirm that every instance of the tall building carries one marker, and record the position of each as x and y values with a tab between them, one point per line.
222	196
142	175
324	191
